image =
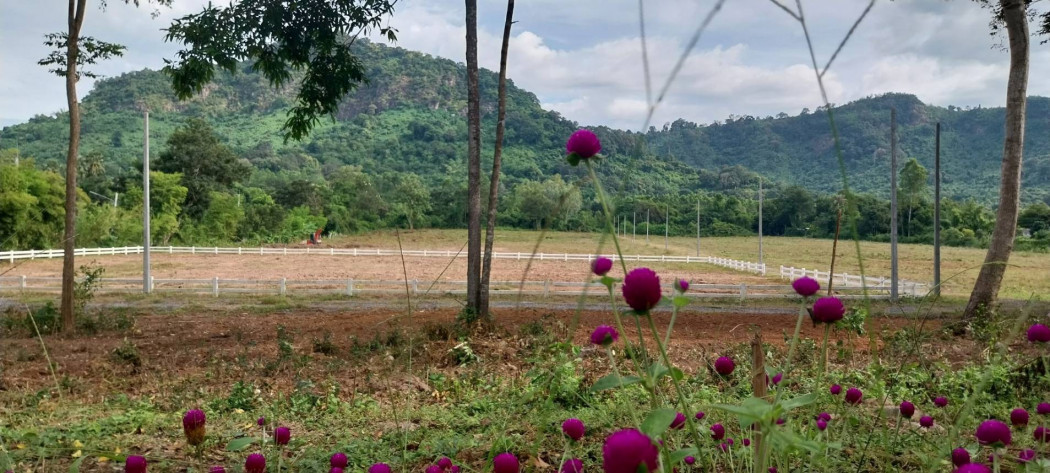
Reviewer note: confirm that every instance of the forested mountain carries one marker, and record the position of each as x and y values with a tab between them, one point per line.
394	154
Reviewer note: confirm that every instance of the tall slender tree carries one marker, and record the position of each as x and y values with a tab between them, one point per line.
1013	15
73	52
497	155
473	164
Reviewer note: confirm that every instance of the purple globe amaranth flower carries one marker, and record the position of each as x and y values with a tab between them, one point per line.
434	469
1039	333
505	462
678	422
454	469
926	421
828	310
993	432
718	432
822	424
601	265
338	459
255	463
724	365
940	401
379	468
1043	409
689	460
641	289
805	286
724	447
973	468
854	396
1041	434
960	456
217	469
1026	455
907	409
282	435
825	416
573	428
574	465
135	464
772	469
1019	417
604	335
682	285
699	416
729	441
746	442
628	451
835	390
193	426
261	421
335	469
781	421
584	143
777	378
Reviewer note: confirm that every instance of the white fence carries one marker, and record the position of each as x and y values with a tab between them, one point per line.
904	287
11	256
355	287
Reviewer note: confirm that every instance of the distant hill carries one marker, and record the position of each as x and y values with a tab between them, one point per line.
409	117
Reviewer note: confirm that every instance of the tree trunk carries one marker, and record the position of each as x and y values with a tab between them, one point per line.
986	289
497	155
76	19
473	163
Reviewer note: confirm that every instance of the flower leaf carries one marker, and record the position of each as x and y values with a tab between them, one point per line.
800	401
614	381
658	421
75	467
573	159
239	444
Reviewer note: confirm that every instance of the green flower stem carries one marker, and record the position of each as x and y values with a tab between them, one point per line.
670	325
995	460
608	213
616	369
689	419
896	433
620	327
824	354
794	344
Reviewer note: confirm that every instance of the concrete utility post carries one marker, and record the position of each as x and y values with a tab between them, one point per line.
937	213
146	286
697	227
893	204
760	259
667	226
646	226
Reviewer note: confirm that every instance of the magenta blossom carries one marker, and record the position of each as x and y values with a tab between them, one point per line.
822	424
724	365
678	422
574	465
1026	455
584	144
628	451
926	421
505	463
217	469
282	435
1019	417
454	469
1041	434
825	416
993	432
601	265
335	469
973	468
907	409
604	335
445	463
835	390
747	442
573	428
682	285
1043	409
940	401
1039	333
690	460
960	456
828	310
776	379
261	421
641	289
193	426
255	463
699	416
379	468
338	460
135	464
434	469
718	432
854	396
724	447
805	286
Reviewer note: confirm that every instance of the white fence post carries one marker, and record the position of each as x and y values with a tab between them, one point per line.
151	284
743	292
284	286
546	287
22	283
215	286
350	287
415	286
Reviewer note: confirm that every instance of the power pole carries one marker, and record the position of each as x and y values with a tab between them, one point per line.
667	225
697	227
937	213
634	227
893	204
760	259
646	226
146	286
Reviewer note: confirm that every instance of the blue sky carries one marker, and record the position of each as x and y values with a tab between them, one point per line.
583	57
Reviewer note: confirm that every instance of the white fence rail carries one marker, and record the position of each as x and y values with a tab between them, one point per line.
356	287
904	287
11	256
